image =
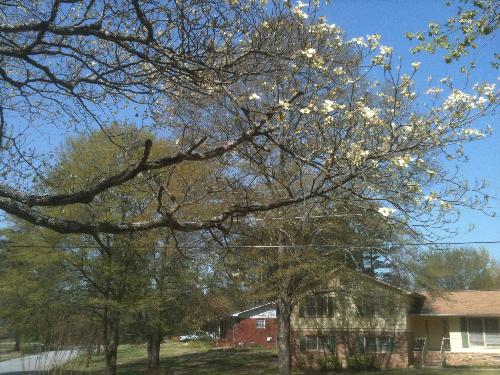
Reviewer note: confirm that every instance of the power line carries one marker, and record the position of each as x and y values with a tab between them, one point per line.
368	246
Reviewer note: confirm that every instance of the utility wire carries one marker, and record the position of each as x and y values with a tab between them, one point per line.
369	246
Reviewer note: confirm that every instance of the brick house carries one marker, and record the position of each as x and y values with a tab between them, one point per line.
461	328
256	326
358	314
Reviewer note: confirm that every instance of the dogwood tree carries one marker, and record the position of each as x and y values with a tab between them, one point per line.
241	77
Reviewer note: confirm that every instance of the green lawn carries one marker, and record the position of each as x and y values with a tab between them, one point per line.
6	350
186	359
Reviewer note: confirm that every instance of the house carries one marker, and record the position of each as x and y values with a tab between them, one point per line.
256	326
461	328
358	314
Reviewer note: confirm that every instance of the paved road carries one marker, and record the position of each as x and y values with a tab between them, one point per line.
31	364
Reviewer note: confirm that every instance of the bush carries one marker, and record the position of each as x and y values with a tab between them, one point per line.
331	363
32	348
361	362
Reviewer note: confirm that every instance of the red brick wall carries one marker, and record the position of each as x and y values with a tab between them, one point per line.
453	359
346	346
431	358
472	359
246	333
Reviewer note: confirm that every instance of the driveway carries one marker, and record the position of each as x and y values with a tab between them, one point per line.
32	364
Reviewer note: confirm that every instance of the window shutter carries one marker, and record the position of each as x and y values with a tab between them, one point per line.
360	344
465	332
302	343
302	309
331	306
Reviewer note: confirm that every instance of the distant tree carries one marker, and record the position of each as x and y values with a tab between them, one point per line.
128	277
459	269
168	299
37	289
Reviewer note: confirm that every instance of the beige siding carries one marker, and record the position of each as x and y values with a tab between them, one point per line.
347	319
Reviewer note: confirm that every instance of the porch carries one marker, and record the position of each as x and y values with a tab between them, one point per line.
455	341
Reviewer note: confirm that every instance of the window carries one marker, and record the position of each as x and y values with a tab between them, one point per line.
491	332
316	306
385	344
483	332
375	344
317	343
370	344
261	323
365	309
476	336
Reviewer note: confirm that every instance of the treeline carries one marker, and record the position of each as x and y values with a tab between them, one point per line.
98	291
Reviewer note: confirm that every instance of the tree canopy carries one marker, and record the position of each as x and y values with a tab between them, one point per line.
459	269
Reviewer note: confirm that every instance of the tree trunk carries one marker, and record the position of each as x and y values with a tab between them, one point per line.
111	337
17	342
154	342
284	309
90	348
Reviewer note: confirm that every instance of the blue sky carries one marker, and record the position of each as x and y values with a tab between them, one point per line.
391	19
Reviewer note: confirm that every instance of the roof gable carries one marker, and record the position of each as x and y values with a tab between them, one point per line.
266	311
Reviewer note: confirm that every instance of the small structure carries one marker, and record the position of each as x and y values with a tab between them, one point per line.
256	326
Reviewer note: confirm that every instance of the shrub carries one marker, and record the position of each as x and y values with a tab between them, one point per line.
331	363
362	362
32	348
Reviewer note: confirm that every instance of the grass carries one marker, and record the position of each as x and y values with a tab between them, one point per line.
7	352
12	355
193	358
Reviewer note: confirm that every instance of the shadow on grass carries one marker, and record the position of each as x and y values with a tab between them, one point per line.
211	362
220	362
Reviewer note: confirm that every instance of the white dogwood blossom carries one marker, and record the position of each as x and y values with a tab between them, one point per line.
385	50
309	53
360	41
458	98
472	132
373	41
431	197
297	10
328	106
434	91
284	105
402	161
368	113
386	211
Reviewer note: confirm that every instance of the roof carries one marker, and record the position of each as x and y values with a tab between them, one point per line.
380	282
460	303
256	309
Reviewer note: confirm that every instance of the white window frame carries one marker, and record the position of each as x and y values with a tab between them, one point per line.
260	326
